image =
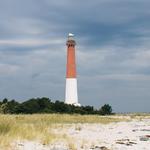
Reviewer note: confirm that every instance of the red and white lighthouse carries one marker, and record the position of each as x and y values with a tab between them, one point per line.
71	96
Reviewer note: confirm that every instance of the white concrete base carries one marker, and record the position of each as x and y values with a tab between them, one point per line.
71	92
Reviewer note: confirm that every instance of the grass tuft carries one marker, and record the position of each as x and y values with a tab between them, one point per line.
4	128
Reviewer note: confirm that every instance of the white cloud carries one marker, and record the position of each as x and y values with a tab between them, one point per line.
8	69
127	77
30	42
140	59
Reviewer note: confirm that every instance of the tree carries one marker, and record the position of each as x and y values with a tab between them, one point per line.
9	107
45	104
31	106
105	110
61	107
88	109
5	100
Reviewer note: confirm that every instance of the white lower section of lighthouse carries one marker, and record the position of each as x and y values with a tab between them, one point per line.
71	92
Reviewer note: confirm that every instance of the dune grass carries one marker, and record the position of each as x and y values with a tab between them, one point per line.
39	126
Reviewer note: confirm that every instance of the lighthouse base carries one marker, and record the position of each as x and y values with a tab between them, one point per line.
71	92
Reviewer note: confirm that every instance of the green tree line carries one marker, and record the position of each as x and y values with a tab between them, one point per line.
45	105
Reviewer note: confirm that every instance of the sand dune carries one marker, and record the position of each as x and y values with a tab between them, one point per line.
129	135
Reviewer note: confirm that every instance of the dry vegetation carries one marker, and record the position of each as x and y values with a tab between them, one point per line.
39	126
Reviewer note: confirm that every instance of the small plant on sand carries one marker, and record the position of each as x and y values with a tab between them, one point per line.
78	128
72	146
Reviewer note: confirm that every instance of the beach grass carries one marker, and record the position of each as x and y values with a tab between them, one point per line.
40	126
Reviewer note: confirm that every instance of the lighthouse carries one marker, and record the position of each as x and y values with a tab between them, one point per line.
71	95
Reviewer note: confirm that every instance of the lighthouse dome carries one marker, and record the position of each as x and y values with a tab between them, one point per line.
70	35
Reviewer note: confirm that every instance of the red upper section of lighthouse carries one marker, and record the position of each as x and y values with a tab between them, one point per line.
71	63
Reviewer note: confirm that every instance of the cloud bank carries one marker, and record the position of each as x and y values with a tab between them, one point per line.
113	50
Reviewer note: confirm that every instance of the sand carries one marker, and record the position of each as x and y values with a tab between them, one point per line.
130	135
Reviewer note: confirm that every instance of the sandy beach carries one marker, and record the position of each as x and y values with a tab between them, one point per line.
133	134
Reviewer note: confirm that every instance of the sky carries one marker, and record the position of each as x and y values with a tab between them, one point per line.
112	51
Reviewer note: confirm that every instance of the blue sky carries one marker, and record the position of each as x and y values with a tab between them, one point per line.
113	50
